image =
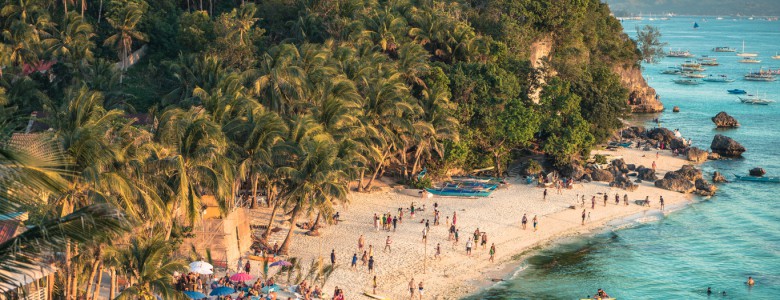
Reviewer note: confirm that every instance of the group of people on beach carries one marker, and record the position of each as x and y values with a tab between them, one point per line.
586	214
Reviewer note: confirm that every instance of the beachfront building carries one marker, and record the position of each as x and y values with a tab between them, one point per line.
36	283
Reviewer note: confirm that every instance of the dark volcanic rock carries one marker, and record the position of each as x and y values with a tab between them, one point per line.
624	183
726	146
723	120
718	177
696	155
631	167
586	178
681	185
661	134
676	109
757	172
620	165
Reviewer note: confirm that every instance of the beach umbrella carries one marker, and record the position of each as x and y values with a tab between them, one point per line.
222	291
282	263
271	288
194	295
241	277
201	267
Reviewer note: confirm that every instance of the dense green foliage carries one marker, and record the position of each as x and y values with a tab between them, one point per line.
295	99
648	40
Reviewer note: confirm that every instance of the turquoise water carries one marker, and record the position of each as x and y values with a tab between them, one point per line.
715	243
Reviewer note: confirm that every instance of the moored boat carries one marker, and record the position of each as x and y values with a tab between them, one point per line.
737	92
746	54
672	71
679	54
450	192
687	81
760	76
724	49
754	99
719	78
693	75
749	60
758	179
776	56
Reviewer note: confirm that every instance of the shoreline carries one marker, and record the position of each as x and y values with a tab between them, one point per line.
455	275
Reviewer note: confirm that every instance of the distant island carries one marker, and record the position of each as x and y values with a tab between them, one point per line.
697	7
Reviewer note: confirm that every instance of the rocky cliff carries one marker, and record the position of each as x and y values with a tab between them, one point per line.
642	98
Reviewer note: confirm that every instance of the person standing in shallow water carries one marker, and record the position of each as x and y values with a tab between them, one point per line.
583	217
662	202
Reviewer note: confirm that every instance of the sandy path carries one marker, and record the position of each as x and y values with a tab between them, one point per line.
456	274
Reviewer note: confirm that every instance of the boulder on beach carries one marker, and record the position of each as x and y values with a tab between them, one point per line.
633	132
726	146
717	177
696	155
757	172
676	109
724	120
687	172
678	184
601	175
646	174
620	165
705	188
624	183
631	167
661	134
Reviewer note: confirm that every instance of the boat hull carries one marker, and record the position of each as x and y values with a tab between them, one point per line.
458	192
758	179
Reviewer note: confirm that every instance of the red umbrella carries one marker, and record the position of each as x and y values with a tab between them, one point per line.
241	277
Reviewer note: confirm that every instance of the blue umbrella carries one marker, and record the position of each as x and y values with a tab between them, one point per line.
267	288
222	291
194	295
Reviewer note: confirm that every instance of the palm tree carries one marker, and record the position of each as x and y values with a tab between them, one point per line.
315	175
244	22
191	160
149	265
281	83
72	41
125	22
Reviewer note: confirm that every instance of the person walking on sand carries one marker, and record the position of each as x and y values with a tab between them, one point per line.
536	222
452	232
370	250
524	221
425	235
476	235
438	251
469	244
420	289
544	197
588	219
653	165
411	288
625	199
456	236
593	202
583	217
400	215
492	252
647	201
395	222
333	257
388	243
448	221
370	265
364	258
617	199
606	198
361	243
662	202
484	240
412	210
354	261
374	285
376	222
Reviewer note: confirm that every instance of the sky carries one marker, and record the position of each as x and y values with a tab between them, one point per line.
698	7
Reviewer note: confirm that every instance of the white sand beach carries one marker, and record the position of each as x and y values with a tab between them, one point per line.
455	274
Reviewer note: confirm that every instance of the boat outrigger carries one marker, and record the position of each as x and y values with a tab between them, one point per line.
758	179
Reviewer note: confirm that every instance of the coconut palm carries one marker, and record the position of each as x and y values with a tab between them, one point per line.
72	41
191	161
149	265
124	22
315	174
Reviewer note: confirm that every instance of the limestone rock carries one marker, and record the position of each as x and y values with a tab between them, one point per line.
705	188
696	155
681	185
717	177
646	174
713	156
601	175
724	120
726	146
686	172
624	183
757	172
